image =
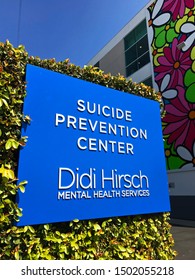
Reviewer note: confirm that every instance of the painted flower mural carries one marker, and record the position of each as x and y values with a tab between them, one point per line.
180	120
172	43
188	156
177	7
173	62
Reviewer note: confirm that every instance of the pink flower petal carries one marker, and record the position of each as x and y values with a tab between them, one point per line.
174	111
170	128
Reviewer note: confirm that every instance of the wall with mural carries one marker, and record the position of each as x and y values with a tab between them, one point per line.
171	29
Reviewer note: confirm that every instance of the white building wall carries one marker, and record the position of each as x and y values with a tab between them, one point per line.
120	35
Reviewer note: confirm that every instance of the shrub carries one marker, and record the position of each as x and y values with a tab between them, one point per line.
136	237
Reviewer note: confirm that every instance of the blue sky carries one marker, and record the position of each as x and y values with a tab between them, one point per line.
60	29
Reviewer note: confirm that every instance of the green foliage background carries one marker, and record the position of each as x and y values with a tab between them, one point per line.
136	237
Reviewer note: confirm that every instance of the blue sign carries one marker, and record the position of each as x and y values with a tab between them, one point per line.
92	152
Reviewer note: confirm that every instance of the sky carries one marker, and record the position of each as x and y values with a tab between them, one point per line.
61	29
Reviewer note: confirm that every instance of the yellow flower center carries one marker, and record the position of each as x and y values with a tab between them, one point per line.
190	13
150	22
154	52
191	115
167	27
176	65
167	153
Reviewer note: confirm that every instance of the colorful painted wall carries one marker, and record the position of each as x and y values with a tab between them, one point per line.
171	29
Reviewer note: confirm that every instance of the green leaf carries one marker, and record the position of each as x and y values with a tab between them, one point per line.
23	182
74	245
66	251
15	144
8	144
19	212
126	255
22	188
25	228
16	254
121	248
5	102
46	227
31	229
7	173
11	143
96	227
93	250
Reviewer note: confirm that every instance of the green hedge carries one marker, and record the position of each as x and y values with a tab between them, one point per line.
135	237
